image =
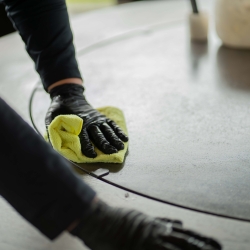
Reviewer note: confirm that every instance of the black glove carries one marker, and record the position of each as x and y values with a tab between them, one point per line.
106	228
103	132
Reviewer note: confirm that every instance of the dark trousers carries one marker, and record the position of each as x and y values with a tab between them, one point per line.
34	179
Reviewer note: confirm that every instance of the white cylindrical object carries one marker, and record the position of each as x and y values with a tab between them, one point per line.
233	22
198	24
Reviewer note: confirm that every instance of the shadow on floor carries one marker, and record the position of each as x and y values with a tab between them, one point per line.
234	67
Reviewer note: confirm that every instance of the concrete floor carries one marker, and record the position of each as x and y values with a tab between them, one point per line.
186	107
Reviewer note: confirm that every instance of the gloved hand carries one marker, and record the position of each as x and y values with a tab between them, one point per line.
107	228
103	132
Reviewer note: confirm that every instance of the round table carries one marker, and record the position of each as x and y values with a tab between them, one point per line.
187	110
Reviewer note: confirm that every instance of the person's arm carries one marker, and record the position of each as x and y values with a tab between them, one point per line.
36	180
44	27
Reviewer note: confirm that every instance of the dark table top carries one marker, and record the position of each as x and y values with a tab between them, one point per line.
187	110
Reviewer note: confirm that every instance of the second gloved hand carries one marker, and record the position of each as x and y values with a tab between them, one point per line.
108	228
103	132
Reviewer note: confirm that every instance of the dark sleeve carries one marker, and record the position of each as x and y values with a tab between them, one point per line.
45	29
36	180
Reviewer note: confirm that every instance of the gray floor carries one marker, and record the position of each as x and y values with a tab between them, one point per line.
186	107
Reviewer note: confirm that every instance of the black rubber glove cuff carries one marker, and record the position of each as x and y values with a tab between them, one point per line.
107	228
67	90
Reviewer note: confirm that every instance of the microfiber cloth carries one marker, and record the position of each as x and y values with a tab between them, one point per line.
64	131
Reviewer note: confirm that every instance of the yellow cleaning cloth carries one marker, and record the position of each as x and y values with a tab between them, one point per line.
64	131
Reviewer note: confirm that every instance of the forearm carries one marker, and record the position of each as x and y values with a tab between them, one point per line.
45	29
37	181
